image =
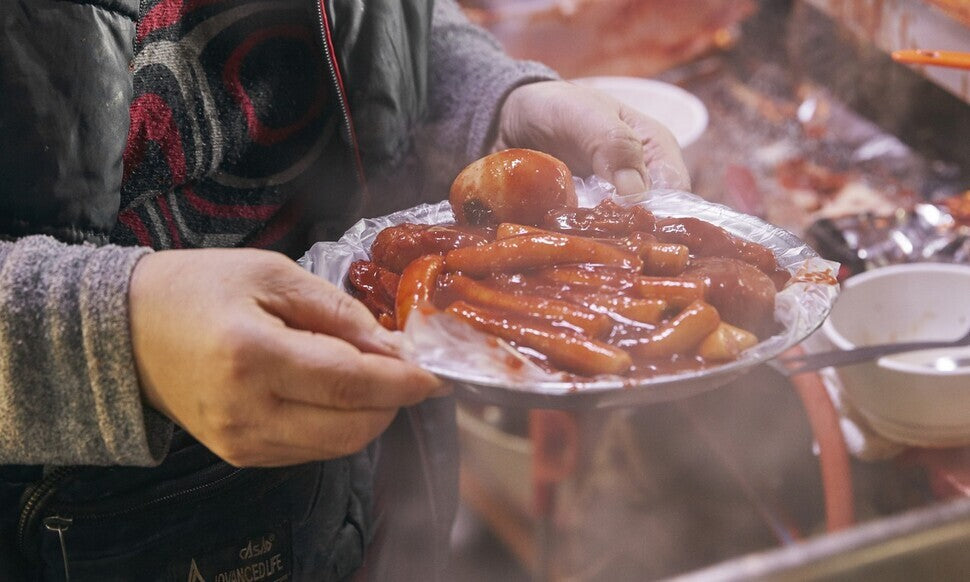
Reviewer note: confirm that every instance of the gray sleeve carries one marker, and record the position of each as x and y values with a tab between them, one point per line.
469	78
69	390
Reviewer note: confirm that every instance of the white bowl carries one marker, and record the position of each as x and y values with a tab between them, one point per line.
680	111
906	397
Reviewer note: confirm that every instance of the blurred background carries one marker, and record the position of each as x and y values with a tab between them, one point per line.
794	111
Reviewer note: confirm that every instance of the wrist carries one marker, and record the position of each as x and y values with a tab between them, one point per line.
145	284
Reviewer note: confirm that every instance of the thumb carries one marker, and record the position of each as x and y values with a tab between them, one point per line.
312	304
662	154
618	157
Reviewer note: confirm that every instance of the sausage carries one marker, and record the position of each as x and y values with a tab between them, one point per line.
677	292
588	321
703	238
587	277
743	295
659	258
396	246
510	229
531	251
664	259
418	283
567	350
708	240
607	219
642	310
681	334
376	288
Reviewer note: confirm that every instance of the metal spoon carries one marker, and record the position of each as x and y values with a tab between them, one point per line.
947	364
799	364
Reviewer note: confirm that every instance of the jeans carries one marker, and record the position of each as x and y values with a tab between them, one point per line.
195	518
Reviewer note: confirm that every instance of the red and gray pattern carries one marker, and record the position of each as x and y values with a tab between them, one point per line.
230	108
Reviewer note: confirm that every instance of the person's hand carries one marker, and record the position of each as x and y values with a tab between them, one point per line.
592	133
261	361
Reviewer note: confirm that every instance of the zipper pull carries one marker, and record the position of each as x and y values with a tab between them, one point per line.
60	525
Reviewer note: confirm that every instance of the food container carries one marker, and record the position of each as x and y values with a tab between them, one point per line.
918	398
480	368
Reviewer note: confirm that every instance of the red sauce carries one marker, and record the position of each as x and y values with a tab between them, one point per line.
607	219
513	363
818	277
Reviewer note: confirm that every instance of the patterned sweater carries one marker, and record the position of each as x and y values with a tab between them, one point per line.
231	143
231	107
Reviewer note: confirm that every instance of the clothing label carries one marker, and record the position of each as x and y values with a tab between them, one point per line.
263	557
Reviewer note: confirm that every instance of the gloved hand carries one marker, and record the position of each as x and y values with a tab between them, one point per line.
592	133
261	361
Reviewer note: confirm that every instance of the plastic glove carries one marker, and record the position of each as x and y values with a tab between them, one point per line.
592	133
263	362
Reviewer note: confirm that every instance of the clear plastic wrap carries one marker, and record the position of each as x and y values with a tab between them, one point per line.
494	372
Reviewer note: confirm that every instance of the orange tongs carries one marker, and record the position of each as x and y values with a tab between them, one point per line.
953	59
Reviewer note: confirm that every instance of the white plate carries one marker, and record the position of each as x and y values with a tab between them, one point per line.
681	112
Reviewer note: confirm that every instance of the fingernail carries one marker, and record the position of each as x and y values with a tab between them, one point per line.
666	176
628	181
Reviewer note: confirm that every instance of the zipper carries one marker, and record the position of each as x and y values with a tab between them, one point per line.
37	494
64	517
60	524
337	81
190	492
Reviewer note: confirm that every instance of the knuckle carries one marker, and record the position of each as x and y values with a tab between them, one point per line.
273	262
284	278
621	138
235	450
225	422
236	348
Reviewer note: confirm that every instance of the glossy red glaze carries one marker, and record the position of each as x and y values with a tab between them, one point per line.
418	283
744	296
515	185
537	250
567	350
375	287
396	246
553	310
707	240
606	219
